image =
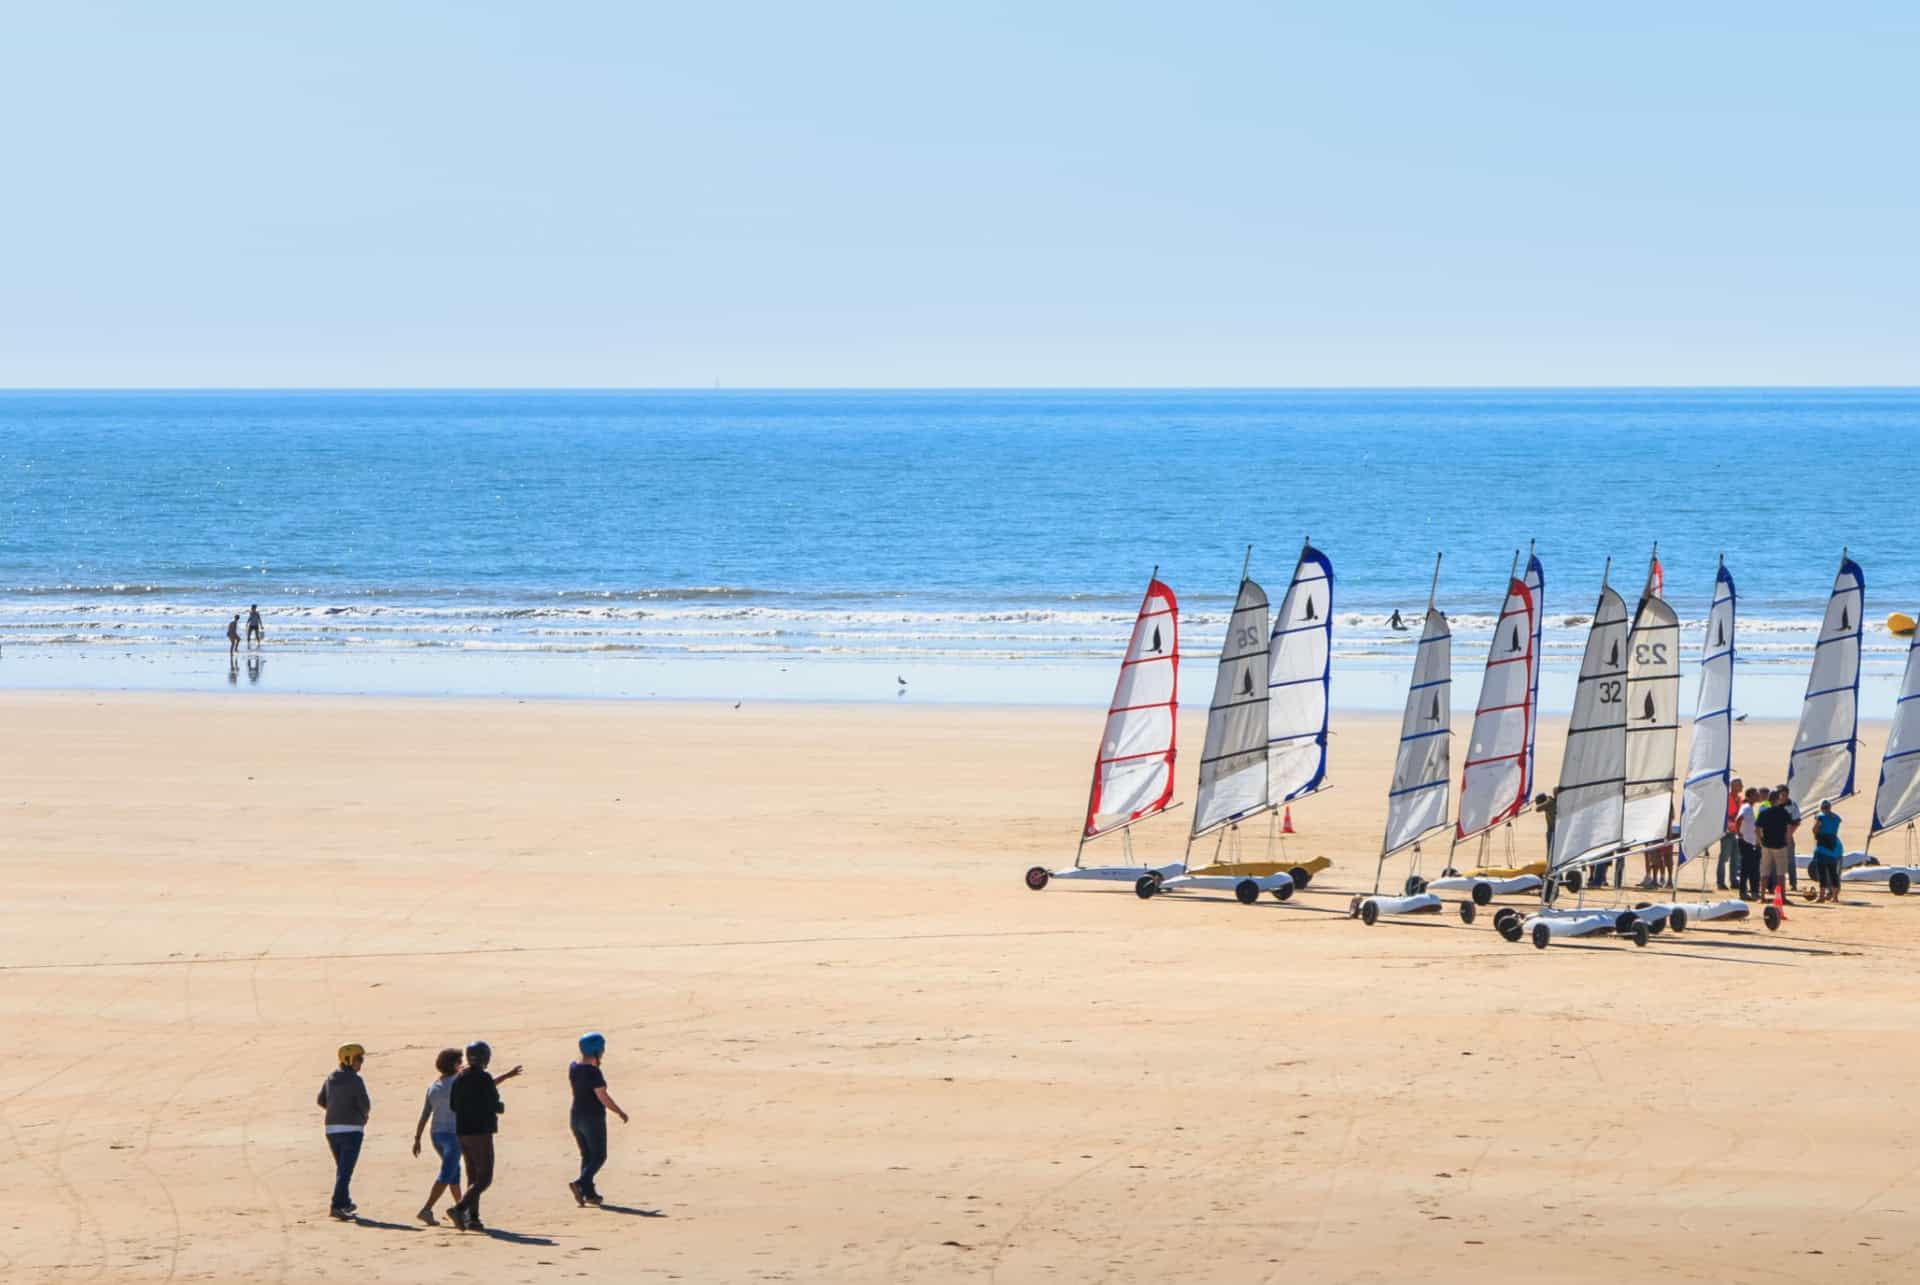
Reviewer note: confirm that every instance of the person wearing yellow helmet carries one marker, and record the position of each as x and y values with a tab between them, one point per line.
343	1096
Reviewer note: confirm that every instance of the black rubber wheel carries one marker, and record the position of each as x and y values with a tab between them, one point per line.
1510	929
1037	877
1541	936
1572	881
1640	934
1503	914
1624	921
1677	920
1467	912
1898	882
1482	893
1657	926
1301	876
1145	886
1247	891
1415	885
1281	893
1369	912
1771	915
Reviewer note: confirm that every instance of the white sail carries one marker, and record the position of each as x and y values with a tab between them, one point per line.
1233	764
1897	800
1133	772
1593	773
1297	673
1535	578
1653	721
1417	799
1703	799
1828	737
1493	781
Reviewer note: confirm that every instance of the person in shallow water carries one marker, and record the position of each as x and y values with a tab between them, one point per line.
1396	622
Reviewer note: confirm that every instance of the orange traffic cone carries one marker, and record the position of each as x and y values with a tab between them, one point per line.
1780	897
1286	820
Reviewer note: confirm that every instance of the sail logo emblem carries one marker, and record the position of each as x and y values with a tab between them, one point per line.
1309	615
1433	715
1844	626
1613	657
1246	682
1514	644
1155	648
1721	629
1648	714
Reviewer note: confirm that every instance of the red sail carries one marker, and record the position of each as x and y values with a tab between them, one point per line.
1133	773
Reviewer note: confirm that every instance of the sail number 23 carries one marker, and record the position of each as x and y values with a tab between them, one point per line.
1650	653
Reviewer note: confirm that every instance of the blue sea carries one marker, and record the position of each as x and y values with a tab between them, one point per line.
984	546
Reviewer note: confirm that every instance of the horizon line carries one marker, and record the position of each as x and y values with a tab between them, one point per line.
6	389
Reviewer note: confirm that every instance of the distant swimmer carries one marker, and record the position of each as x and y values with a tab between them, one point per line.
1396	622
256	632
233	641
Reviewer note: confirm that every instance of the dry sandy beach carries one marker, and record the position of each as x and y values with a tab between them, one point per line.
854	1046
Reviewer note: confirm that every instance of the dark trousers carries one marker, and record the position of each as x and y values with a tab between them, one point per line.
1793	872
1749	871
477	1150
590	1135
346	1154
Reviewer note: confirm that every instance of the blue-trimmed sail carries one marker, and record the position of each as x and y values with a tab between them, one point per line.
1703	797
1298	660
1829	734
1417	799
1897	800
1536	581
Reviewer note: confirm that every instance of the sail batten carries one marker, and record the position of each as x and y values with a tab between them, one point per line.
1590	809
1827	740
1233	762
1133	768
1417	799
1493	777
1299	658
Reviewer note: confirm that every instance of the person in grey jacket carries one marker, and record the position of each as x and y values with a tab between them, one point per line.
343	1096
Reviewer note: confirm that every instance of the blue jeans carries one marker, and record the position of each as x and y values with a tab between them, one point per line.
1727	869
346	1154
448	1147
590	1135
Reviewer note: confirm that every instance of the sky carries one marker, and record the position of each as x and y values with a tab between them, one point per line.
954	195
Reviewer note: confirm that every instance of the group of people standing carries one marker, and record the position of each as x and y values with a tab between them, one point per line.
1759	849
460	1116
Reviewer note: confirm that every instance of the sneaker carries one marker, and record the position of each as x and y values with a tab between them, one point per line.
341	1212
458	1217
595	1198
579	1197
474	1224
426	1216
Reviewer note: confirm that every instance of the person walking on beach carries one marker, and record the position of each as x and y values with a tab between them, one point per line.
476	1118
343	1096
233	642
1728	864
256	632
1776	826
438	1111
1747	827
1827	850
588	1118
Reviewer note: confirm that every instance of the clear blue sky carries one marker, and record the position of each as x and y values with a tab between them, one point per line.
959	194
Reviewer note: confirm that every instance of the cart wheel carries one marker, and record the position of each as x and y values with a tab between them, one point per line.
1247	891
1677	920
1510	929
1772	917
1037	877
1467	912
1541	936
1145	886
1573	881
1624	921
1640	933
1301	876
1482	893
1898	882
1415	885
1282	893
1369	912
1503	914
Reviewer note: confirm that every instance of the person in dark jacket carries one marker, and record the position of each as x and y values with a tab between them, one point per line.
476	1118
343	1096
588	1119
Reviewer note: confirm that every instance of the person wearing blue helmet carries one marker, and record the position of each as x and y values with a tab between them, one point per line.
591	1102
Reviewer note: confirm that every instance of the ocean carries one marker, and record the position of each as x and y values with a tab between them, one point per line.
984	546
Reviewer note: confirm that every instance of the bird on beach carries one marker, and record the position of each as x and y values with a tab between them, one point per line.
736	704
901	681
